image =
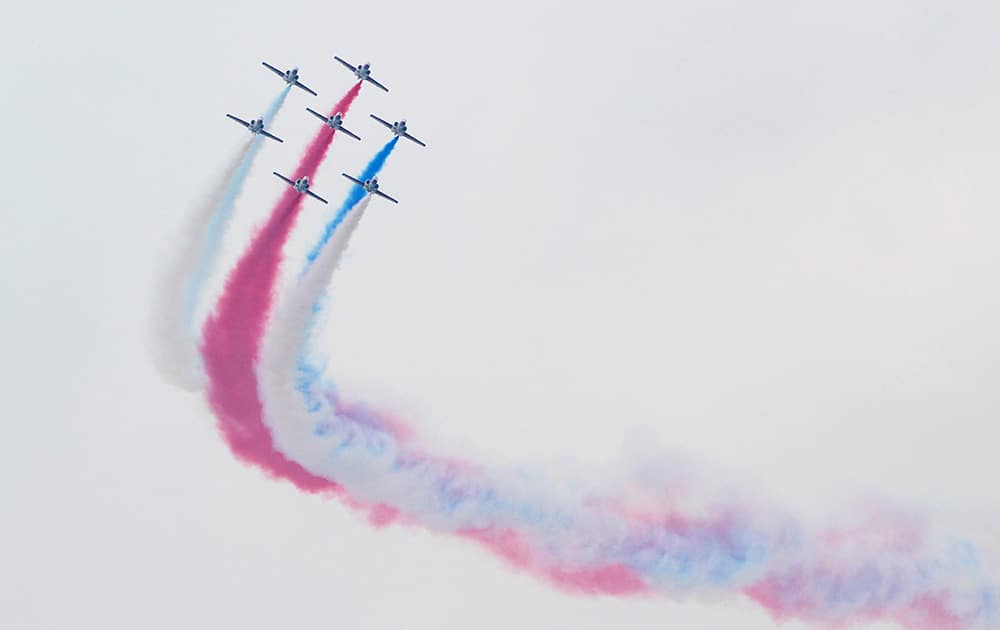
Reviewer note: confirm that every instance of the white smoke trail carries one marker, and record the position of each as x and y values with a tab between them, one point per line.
368	454
284	411
174	345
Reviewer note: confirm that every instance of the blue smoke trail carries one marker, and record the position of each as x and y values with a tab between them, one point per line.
357	194
216	228
309	373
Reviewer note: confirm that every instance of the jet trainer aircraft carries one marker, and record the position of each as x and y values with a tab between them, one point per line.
370	186
255	126
291	77
334	122
363	72
301	185
398	128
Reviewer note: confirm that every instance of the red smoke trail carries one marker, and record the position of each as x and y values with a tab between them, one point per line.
232	334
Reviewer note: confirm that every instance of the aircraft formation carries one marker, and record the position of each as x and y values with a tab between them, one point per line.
336	122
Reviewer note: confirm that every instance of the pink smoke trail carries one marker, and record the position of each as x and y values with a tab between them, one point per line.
232	333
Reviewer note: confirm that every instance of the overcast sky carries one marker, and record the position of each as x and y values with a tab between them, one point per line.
760	235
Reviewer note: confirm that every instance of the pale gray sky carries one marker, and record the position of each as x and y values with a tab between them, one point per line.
760	234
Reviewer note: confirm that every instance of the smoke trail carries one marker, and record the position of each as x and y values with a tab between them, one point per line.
173	346
232	332
175	332
353	197
290	331
308	373
220	221
655	534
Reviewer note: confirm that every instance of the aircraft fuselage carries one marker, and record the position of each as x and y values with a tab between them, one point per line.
335	121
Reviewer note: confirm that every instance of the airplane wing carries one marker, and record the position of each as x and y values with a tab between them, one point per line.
312	194
270	135
346	65
376	83
414	139
273	69
297	84
290	182
384	122
239	120
317	114
356	181
382	194
356	137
